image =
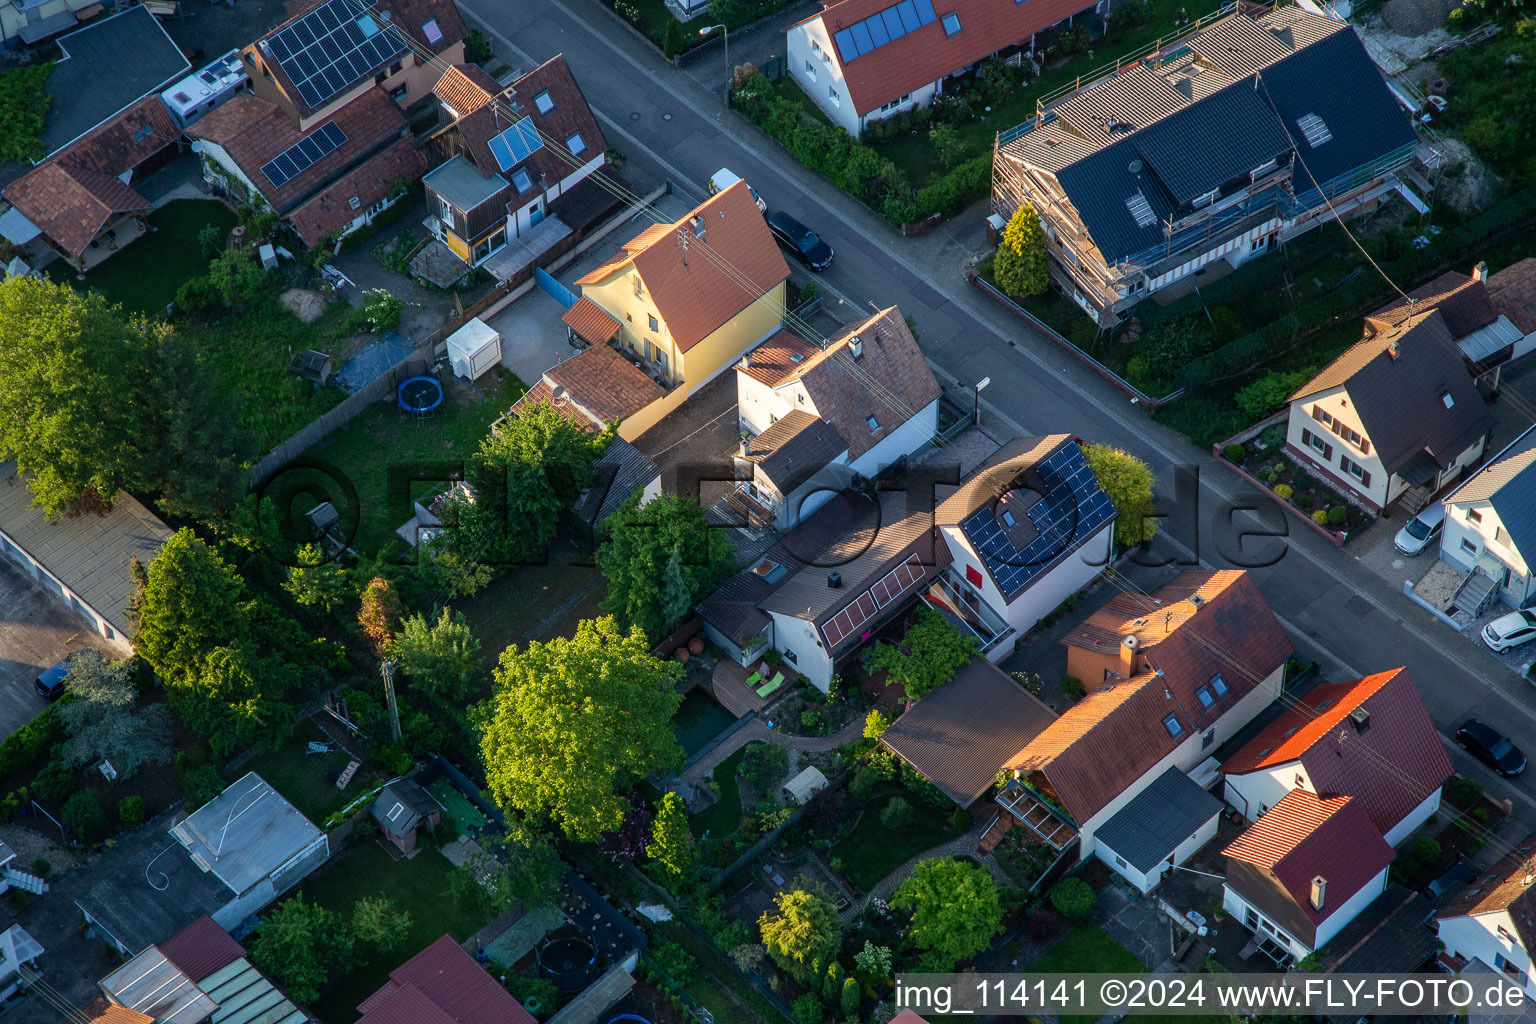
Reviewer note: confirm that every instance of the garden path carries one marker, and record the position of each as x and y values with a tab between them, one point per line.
960	846
759	730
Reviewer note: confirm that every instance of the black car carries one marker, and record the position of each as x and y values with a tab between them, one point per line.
800	240
1490	747
50	685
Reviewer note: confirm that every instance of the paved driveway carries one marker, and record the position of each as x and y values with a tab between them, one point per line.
36	630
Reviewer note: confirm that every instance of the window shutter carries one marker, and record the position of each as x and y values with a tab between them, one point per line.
1365	446
1365	479
1306	436
1328	451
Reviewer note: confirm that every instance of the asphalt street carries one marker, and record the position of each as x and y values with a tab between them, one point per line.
1352	620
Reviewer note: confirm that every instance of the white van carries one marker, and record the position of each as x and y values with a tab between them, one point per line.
1422	530
724	178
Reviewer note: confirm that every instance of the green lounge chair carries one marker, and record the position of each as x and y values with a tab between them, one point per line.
772	684
754	678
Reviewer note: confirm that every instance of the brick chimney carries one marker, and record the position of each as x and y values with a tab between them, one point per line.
1130	644
1319	891
1480	272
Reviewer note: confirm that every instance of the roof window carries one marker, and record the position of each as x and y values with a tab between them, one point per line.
1314	129
543	102
874	424
1141	210
1171	723
1446	399
951	23
431	31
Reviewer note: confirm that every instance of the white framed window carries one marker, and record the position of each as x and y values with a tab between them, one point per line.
638	290
544	102
576	144
810	71
833	96
1474	516
653	323
396	811
1468	546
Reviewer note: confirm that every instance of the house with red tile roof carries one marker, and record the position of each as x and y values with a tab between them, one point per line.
510	160
862	60
442	985
598	386
869	393
1170	677
1493	920
1303	871
1370	739
325	180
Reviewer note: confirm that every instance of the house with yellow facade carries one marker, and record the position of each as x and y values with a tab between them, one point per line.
691	297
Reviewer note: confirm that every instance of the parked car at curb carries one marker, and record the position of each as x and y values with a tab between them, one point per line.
1421	531
1510	630
801	241
724	178
1491	747
50	685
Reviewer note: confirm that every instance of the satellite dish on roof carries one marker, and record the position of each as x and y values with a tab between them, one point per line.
1134	167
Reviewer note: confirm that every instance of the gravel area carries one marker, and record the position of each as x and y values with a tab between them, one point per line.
1416	17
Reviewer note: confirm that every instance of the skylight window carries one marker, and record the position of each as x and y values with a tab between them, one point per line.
543	102
522	182
874	424
1171	723
1204	693
1219	685
1141	210
1446	399
1314	129
431	31
951	24
576	144
1008	519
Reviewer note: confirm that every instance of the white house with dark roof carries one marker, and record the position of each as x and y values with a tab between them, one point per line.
1490	525
1493	920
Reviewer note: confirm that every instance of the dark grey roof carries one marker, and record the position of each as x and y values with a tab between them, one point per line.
1387	937
91	555
1150	827
793	450
109	65
462	184
415	803
119	897
616	474
959	735
1399	398
1508	483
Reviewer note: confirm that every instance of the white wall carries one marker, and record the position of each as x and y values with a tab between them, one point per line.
1181	853
1413	819
1330	926
1336	402
1238	908
1477	938
520	221
1256	792
826	72
1235	251
811	658
58	590
1490	536
904	440
757	404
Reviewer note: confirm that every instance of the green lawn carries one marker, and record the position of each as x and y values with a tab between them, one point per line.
789	89
383	437
1086	949
517	604
144	275
872	851
722	817
304	779
418	885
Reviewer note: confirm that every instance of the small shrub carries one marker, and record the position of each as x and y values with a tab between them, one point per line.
675	961
959	822
1235	454
897	815
195	295
55	781
810	720
82	812
476	49
1320	517
1464	792
1072	686
807	1009
210	240
40	866
1427	850
1072	898
201	785
130	810
1283	492
864	782
1337	515
810	292
1273	436
381	310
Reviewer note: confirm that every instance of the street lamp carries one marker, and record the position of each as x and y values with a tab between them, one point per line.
726	34
976	409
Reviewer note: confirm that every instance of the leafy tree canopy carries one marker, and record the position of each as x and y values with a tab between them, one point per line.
801	930
955	910
379	925
103	722
441	657
302	945
24	102
1128	483
1023	265
318	582
929	655
572	723
671	838
188	605
659	559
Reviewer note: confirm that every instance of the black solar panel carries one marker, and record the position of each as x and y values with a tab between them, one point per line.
1072	509
298	158
332	47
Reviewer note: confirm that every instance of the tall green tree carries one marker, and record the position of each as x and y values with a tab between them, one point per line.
573	723
928	656
302	945
189	604
955	910
236	700
441	657
379	925
69	409
659	559
671	838
319	582
801	930
1127	481
1023	264
103	721
24	102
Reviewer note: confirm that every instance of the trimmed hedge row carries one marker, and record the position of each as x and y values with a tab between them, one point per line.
1447	248
30	740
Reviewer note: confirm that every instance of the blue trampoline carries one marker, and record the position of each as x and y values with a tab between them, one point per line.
419	395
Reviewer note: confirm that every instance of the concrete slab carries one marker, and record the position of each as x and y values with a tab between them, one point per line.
36	630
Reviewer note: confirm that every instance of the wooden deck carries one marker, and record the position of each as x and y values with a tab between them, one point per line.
729	684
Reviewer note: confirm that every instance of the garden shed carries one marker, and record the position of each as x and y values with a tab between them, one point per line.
473	349
806	785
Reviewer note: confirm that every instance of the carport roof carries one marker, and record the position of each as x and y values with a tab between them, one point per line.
91	555
246	833
1150	827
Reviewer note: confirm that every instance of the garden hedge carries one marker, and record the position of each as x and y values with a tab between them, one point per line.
31	740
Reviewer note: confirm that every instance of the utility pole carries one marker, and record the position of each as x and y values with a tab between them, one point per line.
388	668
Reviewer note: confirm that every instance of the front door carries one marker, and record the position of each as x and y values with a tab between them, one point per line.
535	213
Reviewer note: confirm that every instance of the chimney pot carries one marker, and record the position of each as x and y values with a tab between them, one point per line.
1131	641
1319	892
1480	272
856	347
1394	349
834	579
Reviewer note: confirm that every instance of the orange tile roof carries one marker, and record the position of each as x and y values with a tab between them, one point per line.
72	205
596	386
777	359
928	54
591	321
102	1012
466	88
370	183
733	264
1128	614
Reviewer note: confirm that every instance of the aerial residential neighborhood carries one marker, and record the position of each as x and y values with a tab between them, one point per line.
682	512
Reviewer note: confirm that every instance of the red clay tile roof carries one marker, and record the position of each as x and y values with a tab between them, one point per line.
733	265
1463	302
1304	837
332	209
413	14
595	387
1508	885
466	88
928	54
253	131
126	141
1513	293
1112	737
448	981
72	205
201	948
778	359
591	321
1390	768
100	1011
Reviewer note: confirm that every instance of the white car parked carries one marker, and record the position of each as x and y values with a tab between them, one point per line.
1510	630
1421	531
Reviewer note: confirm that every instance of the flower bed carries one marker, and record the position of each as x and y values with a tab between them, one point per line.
1261	458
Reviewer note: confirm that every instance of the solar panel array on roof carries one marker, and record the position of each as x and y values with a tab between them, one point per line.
332	47
890	586
298	158
514	145
1070	511
878	29
1315	129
